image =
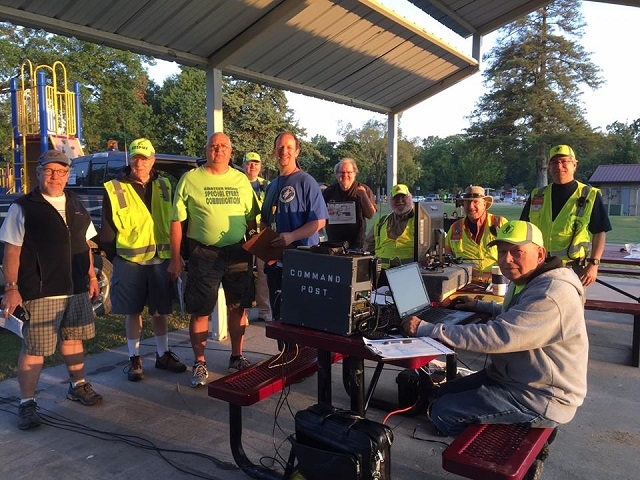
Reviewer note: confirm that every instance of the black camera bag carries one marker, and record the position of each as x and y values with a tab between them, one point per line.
340	444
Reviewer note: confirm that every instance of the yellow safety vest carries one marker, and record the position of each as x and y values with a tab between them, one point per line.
260	197
141	234
568	235
482	256
401	248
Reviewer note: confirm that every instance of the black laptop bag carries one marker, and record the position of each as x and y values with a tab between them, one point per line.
332	443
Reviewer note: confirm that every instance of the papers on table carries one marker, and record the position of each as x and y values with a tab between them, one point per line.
406	347
11	323
180	291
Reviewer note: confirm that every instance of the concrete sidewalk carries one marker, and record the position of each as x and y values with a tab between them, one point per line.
138	424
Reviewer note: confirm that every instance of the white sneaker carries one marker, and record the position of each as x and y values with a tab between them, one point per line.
200	375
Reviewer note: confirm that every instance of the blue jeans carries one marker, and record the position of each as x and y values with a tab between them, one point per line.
478	399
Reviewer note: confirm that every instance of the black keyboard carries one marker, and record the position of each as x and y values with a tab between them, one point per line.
432	315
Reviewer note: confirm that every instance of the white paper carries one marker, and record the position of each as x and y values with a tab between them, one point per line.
11	323
180	294
341	213
382	296
406	347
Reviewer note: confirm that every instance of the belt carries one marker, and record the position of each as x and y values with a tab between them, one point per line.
214	247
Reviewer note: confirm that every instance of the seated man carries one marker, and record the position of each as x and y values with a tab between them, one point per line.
392	235
537	343
469	237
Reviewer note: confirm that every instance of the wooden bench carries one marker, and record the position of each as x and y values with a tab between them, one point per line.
249	386
495	452
627	308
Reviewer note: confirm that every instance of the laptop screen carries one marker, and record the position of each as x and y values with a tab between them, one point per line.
408	290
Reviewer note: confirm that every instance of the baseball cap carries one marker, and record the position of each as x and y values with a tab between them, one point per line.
518	232
399	189
53	156
564	150
251	157
141	146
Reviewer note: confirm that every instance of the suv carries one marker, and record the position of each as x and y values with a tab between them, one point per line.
90	172
432	197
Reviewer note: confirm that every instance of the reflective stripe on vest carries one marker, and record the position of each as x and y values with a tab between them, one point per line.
141	234
568	235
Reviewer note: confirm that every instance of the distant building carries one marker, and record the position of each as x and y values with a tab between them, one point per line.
620	185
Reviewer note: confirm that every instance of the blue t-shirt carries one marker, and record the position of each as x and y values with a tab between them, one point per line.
292	201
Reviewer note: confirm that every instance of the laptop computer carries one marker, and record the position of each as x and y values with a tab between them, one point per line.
410	297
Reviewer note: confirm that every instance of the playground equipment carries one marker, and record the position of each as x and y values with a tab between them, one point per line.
44	115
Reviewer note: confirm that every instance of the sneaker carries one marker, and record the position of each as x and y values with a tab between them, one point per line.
535	471
170	361
84	393
134	369
239	363
200	375
28	416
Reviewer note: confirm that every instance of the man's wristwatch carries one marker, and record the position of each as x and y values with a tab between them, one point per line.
593	261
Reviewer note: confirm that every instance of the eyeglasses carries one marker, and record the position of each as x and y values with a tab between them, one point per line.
346	173
60	172
562	161
221	146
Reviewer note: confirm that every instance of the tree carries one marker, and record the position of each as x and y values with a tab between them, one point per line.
320	161
534	76
179	107
369	146
112	82
253	115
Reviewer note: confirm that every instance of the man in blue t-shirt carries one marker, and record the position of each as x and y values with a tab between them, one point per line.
293	207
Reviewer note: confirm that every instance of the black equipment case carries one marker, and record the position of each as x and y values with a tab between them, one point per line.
332	443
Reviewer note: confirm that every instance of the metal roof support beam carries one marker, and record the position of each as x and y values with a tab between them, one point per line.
476	48
453	15
513	14
392	151
255	77
436	88
214	101
280	14
68	29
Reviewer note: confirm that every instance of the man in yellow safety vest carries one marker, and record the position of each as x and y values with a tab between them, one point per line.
570	214
468	237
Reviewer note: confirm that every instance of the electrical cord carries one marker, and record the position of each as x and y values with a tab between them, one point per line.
63	423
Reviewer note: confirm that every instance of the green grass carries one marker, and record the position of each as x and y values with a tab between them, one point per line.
624	229
109	334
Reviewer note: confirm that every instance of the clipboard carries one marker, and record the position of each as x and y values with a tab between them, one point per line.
260	246
390	348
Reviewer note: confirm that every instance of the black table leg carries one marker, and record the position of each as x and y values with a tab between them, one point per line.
356	384
324	377
373	383
451	366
